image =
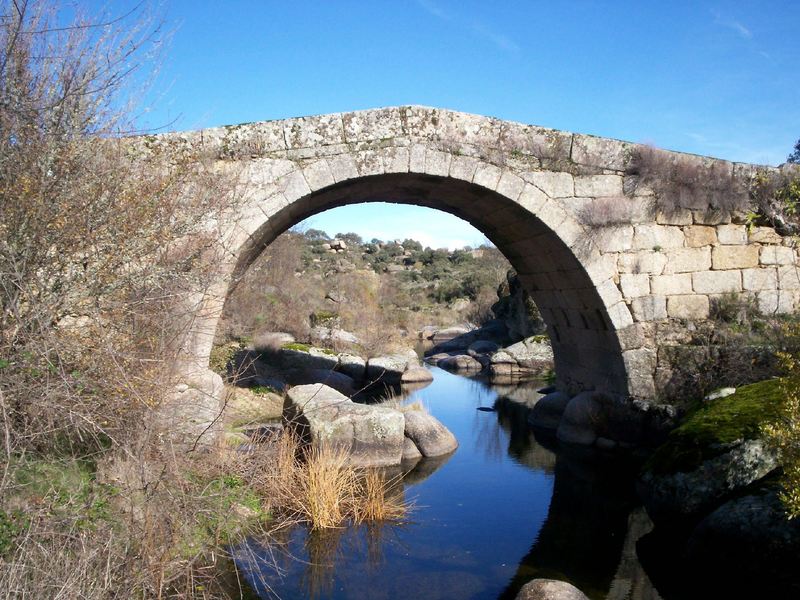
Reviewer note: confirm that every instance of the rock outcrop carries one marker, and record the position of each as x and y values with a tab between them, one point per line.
516	310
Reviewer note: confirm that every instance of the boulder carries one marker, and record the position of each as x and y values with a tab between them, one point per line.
428	434
342	383
460	362
416	375
333	335
427	332
352	365
390	369
373	435
751	537
246	367
307	358
270	382
448	333
532	353
550	589
482	347
501	357
529	357
547	412
582	419
243	405
686	495
435	358
410	451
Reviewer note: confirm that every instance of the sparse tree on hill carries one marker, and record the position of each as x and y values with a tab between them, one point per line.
794	157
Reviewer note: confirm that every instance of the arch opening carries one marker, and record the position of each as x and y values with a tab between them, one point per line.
587	350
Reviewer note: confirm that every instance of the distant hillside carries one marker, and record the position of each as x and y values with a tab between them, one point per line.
378	291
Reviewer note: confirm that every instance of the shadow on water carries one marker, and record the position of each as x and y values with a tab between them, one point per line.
505	508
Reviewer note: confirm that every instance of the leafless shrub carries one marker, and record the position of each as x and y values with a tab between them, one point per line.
101	240
687	182
776	198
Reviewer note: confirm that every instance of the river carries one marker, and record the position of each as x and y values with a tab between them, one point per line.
502	510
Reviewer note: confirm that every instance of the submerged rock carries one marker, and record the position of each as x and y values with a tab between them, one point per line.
373	435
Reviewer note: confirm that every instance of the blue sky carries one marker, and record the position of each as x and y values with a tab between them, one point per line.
716	78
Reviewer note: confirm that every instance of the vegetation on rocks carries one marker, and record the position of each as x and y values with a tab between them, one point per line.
710	428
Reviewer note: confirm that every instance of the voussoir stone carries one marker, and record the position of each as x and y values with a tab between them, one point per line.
372	435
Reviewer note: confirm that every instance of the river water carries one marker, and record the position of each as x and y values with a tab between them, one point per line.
500	511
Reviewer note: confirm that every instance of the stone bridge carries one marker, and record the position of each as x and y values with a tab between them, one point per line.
611	292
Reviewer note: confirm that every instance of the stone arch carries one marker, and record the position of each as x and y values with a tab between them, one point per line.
567	277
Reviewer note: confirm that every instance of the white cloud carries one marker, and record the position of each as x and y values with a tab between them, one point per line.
478	28
732	24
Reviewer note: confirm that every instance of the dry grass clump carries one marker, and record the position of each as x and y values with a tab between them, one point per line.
319	487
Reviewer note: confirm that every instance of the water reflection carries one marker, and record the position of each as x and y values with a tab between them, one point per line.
503	509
